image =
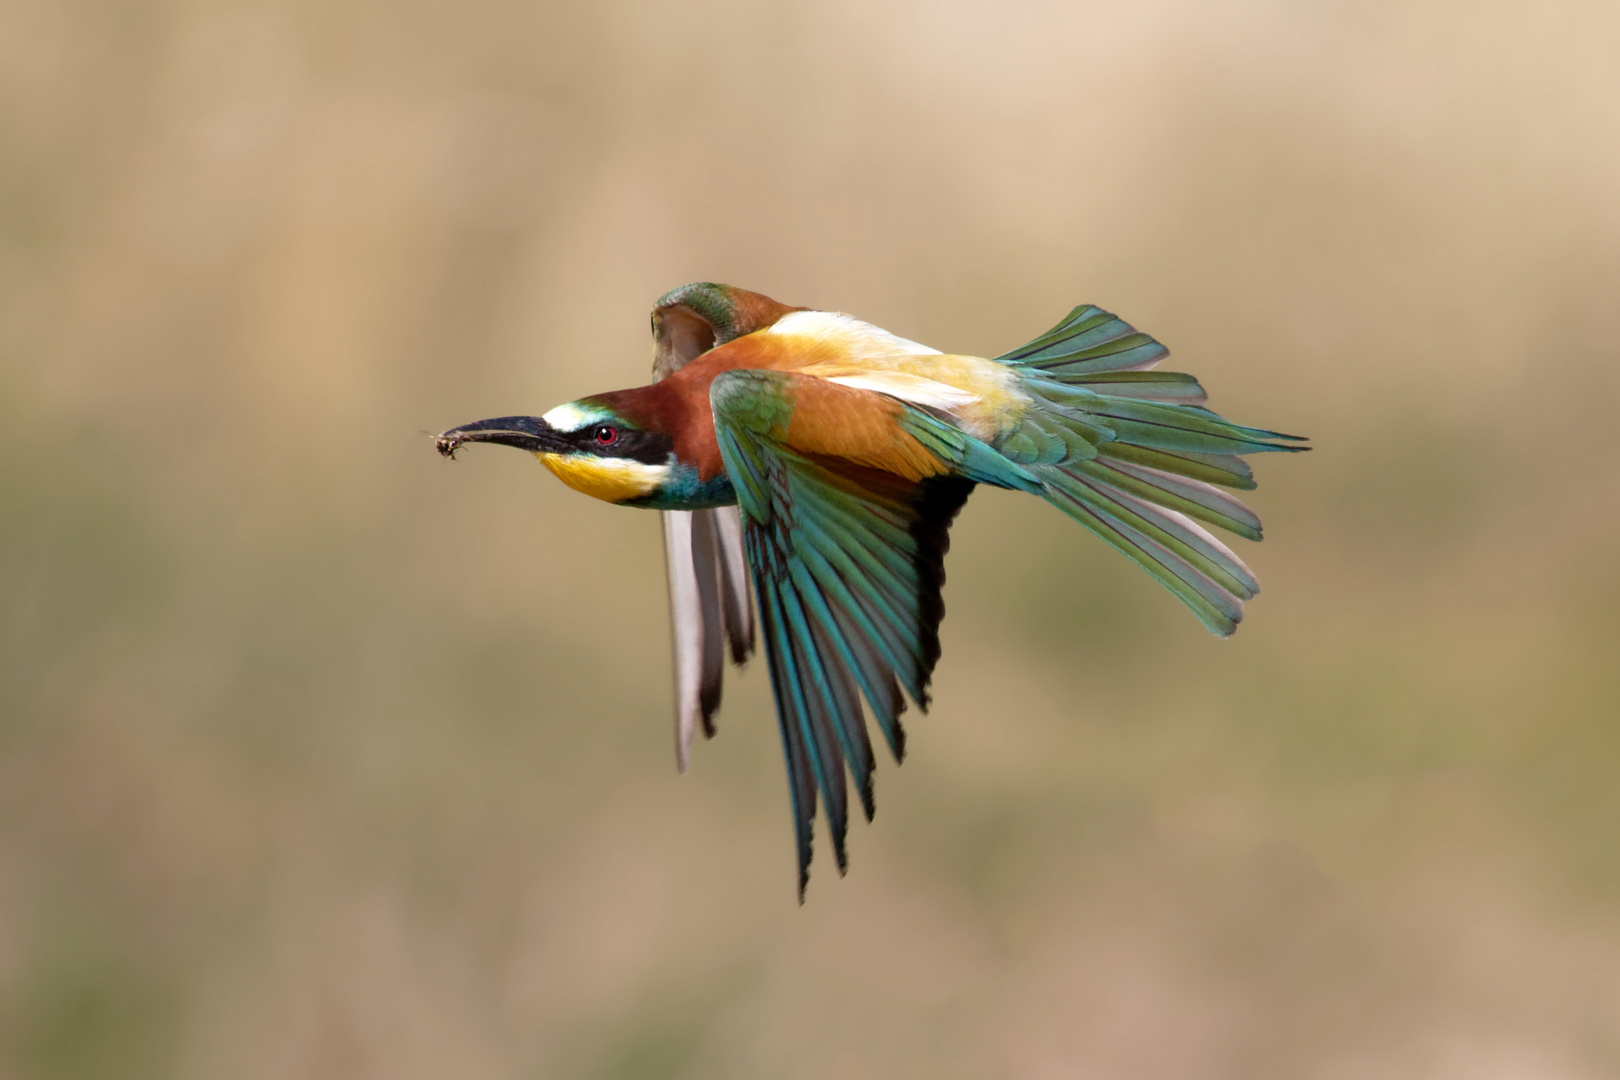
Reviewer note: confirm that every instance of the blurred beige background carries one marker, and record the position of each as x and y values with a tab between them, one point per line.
323	757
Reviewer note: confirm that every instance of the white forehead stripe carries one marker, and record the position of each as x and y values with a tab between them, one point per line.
573	416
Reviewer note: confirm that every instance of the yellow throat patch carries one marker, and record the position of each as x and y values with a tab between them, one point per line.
608	479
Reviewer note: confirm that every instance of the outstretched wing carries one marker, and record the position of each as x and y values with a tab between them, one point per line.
1132	454
847	496
703	549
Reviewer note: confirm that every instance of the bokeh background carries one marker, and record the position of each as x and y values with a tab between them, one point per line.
323	757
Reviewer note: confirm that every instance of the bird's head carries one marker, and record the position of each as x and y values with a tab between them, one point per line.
589	446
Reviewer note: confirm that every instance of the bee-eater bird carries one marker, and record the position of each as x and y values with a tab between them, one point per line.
821	460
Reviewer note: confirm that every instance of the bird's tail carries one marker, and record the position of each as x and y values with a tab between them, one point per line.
1133	455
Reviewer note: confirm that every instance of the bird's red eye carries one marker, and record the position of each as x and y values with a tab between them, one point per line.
606	435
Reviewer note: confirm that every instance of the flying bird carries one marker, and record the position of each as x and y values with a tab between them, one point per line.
816	462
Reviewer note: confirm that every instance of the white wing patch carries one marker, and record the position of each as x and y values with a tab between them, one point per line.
859	338
981	395
929	393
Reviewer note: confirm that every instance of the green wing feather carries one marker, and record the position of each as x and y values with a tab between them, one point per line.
847	563
1091	340
1134	456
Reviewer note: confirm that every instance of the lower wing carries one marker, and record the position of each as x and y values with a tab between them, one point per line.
847	497
709	611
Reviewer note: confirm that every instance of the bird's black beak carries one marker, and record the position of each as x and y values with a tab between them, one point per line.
524	432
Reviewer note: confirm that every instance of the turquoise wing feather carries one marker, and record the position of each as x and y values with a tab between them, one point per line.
847	563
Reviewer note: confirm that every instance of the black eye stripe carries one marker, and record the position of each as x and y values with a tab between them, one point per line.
649	447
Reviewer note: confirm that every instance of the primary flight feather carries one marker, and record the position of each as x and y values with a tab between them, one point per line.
818	461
